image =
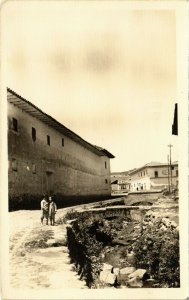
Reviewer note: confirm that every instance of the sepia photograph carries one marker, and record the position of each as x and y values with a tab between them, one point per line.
94	143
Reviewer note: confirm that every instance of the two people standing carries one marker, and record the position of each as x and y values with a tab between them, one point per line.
48	210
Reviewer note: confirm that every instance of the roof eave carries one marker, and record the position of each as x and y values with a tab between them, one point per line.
152	166
61	128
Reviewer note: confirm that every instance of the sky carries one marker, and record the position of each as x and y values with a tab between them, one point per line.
106	72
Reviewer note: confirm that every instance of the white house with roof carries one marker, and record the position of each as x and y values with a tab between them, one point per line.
154	176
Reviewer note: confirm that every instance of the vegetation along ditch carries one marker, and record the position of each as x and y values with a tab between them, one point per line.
118	251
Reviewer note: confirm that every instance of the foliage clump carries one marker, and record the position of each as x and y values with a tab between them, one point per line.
85	243
157	249
152	243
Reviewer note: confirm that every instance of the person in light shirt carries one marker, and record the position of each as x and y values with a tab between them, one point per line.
44	209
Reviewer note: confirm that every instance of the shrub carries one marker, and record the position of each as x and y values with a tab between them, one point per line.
84	248
157	250
71	214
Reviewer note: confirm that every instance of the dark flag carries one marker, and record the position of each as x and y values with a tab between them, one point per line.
175	121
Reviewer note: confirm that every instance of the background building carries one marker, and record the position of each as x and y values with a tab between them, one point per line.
46	157
154	176
120	182
120	186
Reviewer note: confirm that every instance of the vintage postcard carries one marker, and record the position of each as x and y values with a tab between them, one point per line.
94	149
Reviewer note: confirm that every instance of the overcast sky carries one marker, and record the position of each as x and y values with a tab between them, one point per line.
106	72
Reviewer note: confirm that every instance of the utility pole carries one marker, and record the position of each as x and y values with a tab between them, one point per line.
170	166
168	173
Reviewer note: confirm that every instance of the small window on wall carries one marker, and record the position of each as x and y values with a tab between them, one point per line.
177	173
106	180
14	165
33	168
14	124
48	140
33	134
156	174
62	142
105	164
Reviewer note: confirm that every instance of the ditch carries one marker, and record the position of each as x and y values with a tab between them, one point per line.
118	251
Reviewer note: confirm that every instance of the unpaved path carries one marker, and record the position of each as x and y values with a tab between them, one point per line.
38	253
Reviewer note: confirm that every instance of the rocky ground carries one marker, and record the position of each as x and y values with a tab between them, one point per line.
129	259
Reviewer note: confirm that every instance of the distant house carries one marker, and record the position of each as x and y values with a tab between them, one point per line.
120	183
46	157
154	176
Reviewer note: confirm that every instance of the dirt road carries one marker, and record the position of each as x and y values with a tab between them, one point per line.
38	253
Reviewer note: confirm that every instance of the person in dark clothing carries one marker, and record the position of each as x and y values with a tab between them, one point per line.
52	211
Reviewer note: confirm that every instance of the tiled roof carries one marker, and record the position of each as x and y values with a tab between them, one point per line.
34	111
106	152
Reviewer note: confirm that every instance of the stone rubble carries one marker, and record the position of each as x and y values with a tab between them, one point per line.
135	282
138	274
128	276
127	270
107	277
